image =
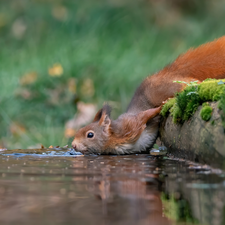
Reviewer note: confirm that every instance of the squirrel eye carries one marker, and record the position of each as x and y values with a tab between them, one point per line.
90	135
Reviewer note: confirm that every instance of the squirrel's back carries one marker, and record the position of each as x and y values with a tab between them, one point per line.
206	61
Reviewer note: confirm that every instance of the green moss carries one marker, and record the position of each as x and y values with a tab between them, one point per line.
210	90
222	107
176	112
205	104
206	112
167	106
185	103
188	101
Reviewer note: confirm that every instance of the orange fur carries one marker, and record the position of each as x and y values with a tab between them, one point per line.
133	126
206	61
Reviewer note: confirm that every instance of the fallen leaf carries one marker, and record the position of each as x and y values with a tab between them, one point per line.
87	88
28	78
56	70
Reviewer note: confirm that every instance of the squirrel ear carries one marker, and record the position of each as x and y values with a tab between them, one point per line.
145	116
102	113
105	120
98	116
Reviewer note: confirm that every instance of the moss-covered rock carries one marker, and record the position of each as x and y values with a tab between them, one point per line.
193	126
185	103
196	139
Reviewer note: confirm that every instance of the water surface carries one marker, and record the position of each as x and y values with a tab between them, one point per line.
134	189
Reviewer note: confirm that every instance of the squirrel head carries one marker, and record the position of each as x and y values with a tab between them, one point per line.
106	136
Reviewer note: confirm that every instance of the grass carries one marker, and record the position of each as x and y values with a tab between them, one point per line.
116	44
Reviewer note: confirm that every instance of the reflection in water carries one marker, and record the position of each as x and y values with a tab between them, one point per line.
107	190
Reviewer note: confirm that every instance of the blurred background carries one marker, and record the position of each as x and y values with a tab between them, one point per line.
60	58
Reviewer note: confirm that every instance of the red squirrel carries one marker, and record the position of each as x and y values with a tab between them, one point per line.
136	130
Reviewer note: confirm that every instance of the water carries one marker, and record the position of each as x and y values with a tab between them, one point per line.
135	189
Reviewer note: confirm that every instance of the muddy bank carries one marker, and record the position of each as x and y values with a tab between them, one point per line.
196	139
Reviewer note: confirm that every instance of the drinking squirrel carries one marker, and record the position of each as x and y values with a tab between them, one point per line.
136	130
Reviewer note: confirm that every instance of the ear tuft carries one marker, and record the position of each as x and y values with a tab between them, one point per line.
105	120
106	109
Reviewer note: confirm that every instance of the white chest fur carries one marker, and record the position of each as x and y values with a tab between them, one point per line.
146	140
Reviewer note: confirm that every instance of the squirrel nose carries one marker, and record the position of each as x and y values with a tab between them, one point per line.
74	146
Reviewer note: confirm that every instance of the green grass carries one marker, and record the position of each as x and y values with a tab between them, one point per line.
114	43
